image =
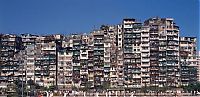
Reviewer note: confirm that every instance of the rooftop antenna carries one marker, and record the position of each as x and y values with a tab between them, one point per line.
139	20
94	27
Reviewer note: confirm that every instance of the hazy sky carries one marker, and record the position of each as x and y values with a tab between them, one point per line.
71	16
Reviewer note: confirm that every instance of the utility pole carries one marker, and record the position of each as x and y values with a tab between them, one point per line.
22	80
22	83
22	68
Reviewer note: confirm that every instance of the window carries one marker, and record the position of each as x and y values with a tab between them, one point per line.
84	55
61	53
84	50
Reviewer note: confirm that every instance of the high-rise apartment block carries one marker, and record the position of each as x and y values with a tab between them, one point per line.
198	62
10	45
188	60
164	52
131	55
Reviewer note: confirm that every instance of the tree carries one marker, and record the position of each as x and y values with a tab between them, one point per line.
53	87
192	87
74	88
12	90
87	87
19	84
106	85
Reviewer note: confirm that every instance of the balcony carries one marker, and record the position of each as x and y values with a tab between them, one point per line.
145	75
98	54
106	71
135	72
171	54
106	65
145	65
98	49
154	48
113	76
145	34
145	55
136	76
76	53
90	64
128	26
128	51
145	59
172	48
49	48
145	44
145	50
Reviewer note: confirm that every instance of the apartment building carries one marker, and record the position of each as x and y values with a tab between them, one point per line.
76	42
90	62
11	62
84	61
65	68
98	55
188	60
46	62
131	55
164	52
145	57
28	53
110	56
38	61
119	52
10	46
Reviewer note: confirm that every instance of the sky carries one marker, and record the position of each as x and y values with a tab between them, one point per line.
82	16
